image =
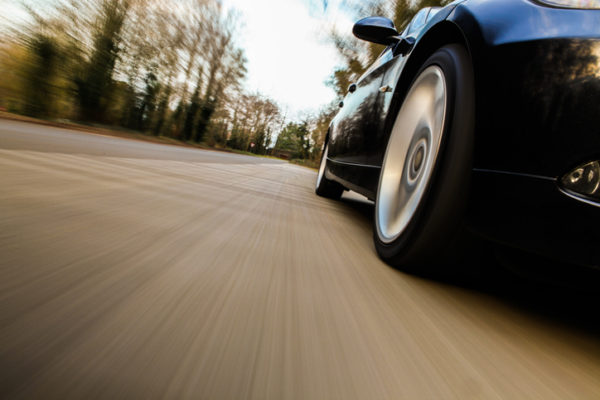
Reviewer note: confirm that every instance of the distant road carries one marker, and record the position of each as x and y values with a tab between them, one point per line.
137	270
26	136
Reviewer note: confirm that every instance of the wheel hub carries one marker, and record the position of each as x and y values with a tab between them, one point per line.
411	154
416	160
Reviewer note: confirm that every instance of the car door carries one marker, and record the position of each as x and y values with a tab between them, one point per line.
357	132
347	139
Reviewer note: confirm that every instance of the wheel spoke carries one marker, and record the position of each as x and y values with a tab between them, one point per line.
411	154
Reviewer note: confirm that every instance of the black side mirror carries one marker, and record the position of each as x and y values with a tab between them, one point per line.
379	30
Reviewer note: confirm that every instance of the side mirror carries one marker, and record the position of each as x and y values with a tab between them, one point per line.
379	30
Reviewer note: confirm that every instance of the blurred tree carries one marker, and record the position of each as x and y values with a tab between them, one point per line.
192	112
255	118
40	75
226	67
320	126
13	59
206	112
95	83
148	105
295	138
357	55
163	106
266	116
166	68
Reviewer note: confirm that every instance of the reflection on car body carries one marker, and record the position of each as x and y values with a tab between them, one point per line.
480	117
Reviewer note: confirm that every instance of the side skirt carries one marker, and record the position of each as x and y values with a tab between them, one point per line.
362	179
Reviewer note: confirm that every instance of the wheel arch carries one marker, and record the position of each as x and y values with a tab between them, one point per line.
441	34
326	138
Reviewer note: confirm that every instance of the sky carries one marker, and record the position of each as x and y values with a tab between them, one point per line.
289	56
11	10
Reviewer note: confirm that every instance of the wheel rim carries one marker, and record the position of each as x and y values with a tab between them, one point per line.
411	153
322	166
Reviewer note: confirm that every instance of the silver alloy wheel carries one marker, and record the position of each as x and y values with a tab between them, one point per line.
411	153
322	166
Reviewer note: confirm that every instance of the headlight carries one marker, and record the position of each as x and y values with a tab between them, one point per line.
584	4
583	180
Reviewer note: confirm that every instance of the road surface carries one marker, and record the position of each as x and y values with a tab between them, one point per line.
137	270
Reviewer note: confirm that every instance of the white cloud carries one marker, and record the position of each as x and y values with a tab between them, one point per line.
288	58
12	11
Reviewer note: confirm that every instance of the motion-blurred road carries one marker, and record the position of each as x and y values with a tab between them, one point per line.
137	270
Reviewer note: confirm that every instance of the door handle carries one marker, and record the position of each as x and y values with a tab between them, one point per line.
352	88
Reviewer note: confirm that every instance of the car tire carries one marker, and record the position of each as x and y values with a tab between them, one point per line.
424	181
325	187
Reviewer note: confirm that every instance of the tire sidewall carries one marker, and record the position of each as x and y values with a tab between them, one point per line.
326	187
323	160
440	212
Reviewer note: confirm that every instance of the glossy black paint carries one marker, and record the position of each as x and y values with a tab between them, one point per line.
347	142
359	132
538	82
540	114
529	213
375	29
537	74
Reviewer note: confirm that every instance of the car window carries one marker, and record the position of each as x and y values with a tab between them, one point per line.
418	21
387	55
384	57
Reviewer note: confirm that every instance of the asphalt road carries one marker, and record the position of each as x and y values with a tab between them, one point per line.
137	270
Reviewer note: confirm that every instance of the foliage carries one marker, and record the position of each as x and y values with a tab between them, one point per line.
163	68
94	82
319	128
255	119
358	55
40	75
295	138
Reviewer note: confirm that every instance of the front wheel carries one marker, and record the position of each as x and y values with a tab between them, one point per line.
424	181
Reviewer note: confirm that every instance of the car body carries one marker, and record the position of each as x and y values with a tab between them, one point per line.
536	119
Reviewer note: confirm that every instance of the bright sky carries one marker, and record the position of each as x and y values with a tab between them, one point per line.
10	10
289	56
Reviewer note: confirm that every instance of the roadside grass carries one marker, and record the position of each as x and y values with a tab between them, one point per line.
312	164
127	134
247	153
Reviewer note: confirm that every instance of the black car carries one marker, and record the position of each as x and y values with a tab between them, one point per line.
481	117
